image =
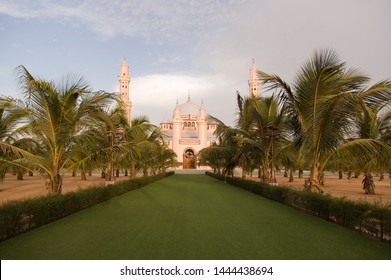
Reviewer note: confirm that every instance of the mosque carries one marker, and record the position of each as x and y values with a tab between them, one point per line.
189	130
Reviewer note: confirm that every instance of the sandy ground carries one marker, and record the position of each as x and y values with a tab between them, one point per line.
351	189
13	189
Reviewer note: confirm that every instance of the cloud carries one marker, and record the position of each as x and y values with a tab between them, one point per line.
147	18
207	46
156	95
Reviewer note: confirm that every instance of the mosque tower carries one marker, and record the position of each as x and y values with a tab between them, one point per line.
253	82
124	81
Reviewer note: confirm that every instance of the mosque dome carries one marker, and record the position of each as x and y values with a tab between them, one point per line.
189	108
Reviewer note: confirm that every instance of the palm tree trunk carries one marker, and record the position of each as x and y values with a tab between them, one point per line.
265	174
322	180
132	170
368	184
83	176
300	173
55	184
243	172
19	176
109	174
290	175
314	180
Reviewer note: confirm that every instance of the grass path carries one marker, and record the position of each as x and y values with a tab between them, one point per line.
191	217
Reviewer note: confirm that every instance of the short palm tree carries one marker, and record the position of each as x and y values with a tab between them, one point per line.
6	127
13	152
371	123
221	155
270	131
146	138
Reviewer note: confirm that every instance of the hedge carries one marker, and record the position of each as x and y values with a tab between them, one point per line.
369	218
21	216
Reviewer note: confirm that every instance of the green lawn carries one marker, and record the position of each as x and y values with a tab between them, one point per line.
192	217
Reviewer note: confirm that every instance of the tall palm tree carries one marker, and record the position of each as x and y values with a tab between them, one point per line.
54	115
321	103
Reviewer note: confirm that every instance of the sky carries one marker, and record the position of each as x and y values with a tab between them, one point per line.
199	47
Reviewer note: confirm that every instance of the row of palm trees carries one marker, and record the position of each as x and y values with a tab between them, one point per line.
65	126
327	119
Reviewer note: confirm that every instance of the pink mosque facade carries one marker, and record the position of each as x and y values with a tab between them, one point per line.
189	130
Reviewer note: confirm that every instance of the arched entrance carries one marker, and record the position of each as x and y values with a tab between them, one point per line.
189	159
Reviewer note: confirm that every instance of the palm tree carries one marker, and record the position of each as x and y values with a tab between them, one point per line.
54	115
146	139
7	123
254	142
166	158
221	155
371	125
154	154
14	153
270	130
321	105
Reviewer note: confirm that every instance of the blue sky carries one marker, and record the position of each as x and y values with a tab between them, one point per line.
203	47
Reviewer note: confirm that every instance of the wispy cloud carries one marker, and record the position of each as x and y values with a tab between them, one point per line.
144	18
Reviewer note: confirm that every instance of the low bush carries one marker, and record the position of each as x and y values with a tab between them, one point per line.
20	216
371	219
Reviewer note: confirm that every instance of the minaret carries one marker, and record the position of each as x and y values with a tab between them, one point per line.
124	81
202	125
176	127
253	82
